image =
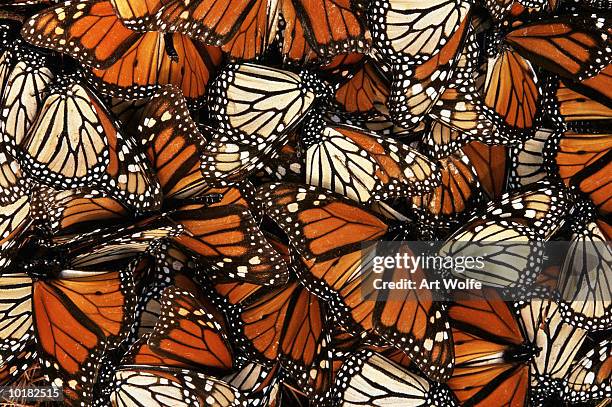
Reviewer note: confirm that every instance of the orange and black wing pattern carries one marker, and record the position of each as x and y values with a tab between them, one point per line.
572	49
76	319
490	354
364	91
490	165
87	29
228	238
319	224
458	191
188	334
583	161
120	58
287	324
172	145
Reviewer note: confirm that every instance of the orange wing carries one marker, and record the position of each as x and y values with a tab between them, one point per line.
330	26
490	165
319	224
213	22
574	50
295	47
140	353
599	87
121	59
76	319
457	192
574	106
256	32
364	90
289	323
188	334
89	31
76	211
410	319
190	69
173	145
491	359
105	299
512	91
584	161
229	239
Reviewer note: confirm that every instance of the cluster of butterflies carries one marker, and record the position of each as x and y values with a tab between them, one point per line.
192	192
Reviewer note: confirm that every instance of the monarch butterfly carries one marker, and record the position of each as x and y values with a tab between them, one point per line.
583	284
186	335
492	356
542	206
365	167
76	299
527	160
25	89
368	378
322	28
228	238
128	113
225	234
574	47
257	108
501	360
510	252
287	323
293	321
441	140
364	90
84	148
496	357
416	88
173	145
458	191
327	232
120	59
582	162
490	165
511	90
398	37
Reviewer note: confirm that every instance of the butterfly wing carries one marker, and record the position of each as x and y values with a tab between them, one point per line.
75	143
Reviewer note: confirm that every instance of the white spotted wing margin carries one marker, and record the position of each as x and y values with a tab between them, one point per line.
256	109
589	378
158	386
365	167
75	143
368	379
